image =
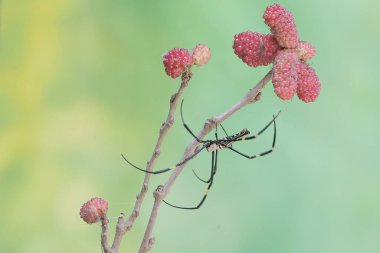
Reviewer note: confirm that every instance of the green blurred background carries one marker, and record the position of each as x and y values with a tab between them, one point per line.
82	81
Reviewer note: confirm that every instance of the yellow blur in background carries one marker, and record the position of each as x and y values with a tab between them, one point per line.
82	81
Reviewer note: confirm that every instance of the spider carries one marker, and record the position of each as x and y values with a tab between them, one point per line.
214	146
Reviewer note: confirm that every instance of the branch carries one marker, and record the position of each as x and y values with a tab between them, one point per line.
162	191
125	225
103	236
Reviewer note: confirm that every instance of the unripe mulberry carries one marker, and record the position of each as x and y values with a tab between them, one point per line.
305	50
93	210
308	83
285	74
201	54
282	25
176	61
255	49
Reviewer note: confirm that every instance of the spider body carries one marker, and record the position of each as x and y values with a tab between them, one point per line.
226	142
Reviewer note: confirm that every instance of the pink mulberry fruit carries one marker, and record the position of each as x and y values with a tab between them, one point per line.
282	25
308	83
176	61
93	210
305	50
201	54
285	74
255	49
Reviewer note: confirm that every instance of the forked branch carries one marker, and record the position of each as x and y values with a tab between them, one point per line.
162	191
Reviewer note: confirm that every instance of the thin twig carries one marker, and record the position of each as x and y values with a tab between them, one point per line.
125	225
103	236
120	231
161	192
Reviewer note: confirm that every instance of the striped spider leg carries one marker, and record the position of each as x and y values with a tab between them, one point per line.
214	160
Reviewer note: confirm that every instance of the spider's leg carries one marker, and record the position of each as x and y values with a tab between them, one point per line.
261	131
200	179
263	153
150	172
192	156
224	130
187	127
169	168
214	161
211	175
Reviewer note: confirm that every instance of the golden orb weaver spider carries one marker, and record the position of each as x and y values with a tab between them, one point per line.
214	146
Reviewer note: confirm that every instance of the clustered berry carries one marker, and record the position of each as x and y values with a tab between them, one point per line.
177	60
201	54
308	83
305	50
291	73
282	25
284	76
93	210
255	49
